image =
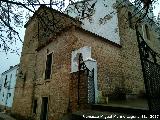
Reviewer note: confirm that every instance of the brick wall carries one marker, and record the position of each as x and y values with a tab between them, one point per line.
82	103
30	82
117	67
108	60
58	88
24	86
131	64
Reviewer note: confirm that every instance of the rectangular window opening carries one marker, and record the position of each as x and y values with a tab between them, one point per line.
130	20
35	106
48	66
44	108
5	82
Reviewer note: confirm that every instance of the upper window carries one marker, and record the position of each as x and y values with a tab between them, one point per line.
147	32
5	82
130	19
48	66
8	95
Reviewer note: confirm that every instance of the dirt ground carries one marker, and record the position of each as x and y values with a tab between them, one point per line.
4	116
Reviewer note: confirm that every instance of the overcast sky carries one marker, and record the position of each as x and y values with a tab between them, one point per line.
11	59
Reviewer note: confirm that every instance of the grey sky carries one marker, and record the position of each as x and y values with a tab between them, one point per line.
12	59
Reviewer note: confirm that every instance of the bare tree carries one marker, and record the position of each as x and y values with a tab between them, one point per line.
13	15
14	12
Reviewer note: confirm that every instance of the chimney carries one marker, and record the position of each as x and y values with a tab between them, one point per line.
11	67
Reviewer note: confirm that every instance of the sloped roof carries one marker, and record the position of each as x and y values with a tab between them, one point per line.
50	23
11	68
53	10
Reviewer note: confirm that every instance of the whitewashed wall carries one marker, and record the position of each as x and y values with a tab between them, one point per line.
86	53
89	62
1	81
104	21
11	74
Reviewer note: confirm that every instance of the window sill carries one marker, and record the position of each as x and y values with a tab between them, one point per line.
47	80
41	82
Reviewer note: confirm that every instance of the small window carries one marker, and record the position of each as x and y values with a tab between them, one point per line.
8	94
48	66
5	82
130	19
44	108
147	32
35	106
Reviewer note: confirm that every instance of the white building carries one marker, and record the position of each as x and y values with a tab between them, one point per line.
7	86
0	84
104	24
158	18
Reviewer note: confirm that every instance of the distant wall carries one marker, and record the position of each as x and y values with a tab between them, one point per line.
102	21
8	87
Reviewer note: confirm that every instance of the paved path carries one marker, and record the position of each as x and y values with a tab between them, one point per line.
4	116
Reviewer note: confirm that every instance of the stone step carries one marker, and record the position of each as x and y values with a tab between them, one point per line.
121	109
98	115
111	111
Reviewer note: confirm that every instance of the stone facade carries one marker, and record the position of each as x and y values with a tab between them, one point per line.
132	68
118	66
57	88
